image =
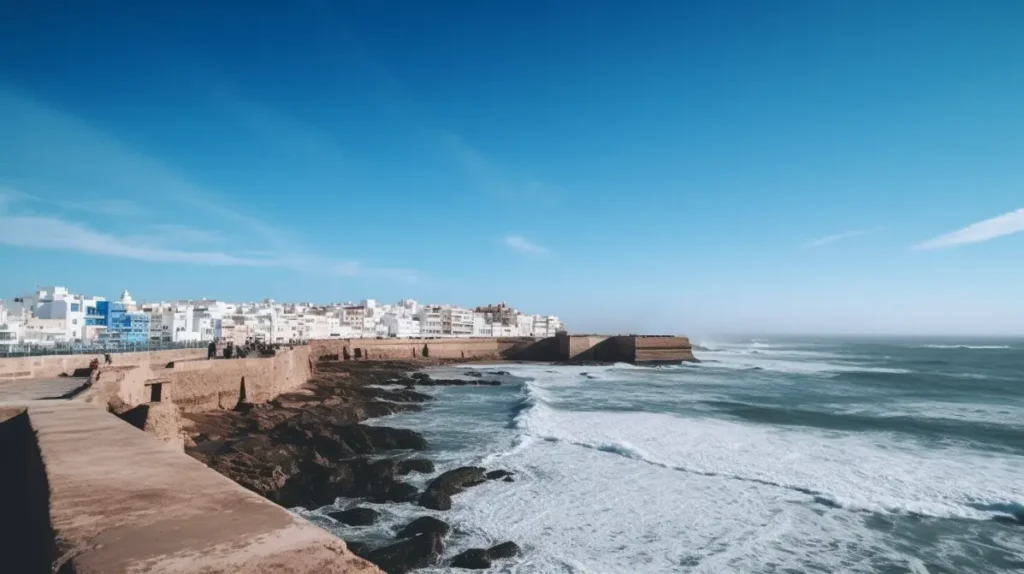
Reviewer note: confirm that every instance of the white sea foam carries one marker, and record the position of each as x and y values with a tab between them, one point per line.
603	510
938	410
976	347
745	361
871	471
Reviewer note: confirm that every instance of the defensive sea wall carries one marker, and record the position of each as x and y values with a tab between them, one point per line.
198	385
616	348
48	366
564	347
484	348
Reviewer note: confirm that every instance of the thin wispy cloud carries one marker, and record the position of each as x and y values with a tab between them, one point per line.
829	239
357	269
61	155
492	179
53	233
520	244
995	227
186	234
98	206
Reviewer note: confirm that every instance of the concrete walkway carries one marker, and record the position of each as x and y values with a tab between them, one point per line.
122	501
38	389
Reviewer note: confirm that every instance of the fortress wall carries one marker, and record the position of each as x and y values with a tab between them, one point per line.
220	384
663	349
202	385
406	349
50	366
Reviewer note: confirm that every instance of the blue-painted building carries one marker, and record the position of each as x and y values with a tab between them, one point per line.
122	326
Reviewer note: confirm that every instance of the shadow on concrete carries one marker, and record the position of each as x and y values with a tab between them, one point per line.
136	416
28	543
70	394
542	350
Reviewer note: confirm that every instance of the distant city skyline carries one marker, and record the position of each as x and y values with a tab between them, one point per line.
690	168
56	316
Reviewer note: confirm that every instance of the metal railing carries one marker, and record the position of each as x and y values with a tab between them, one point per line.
96	348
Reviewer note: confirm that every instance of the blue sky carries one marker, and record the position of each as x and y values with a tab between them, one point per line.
697	167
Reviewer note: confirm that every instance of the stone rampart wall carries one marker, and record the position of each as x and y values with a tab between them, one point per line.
50	366
662	349
406	349
202	385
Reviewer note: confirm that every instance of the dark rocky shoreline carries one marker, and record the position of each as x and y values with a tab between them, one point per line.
307	448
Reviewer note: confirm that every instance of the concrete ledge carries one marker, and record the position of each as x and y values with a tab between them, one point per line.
122	501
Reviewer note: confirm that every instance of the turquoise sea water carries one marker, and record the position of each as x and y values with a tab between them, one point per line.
769	456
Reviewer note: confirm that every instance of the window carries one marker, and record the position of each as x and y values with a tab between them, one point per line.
74	321
75	307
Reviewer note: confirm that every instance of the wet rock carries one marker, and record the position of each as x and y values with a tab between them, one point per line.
306	448
341	441
315	483
476	374
508	479
474	559
451	382
496	474
424	525
420	465
376	481
356	516
367	440
438	495
417	552
475	380
395	492
396	396
420	376
503	550
478	558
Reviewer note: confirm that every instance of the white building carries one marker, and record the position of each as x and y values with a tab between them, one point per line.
45	332
546	325
430	321
53	303
456	322
171	322
400	326
354	317
10	334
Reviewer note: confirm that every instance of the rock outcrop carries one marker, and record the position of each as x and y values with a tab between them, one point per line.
424	525
356	516
438	495
419	551
479	559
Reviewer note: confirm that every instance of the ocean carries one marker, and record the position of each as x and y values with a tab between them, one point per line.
769	456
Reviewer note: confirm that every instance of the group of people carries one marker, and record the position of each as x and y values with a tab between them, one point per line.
240	352
94	365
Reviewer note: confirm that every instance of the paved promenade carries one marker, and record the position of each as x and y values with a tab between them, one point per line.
120	500
38	389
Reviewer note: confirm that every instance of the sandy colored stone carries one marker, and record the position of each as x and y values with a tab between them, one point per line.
122	501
